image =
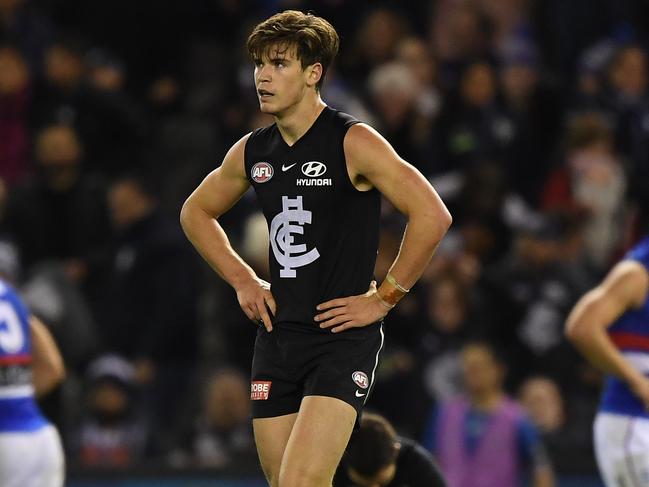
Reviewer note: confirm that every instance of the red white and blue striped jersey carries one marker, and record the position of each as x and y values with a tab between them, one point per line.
630	334
18	408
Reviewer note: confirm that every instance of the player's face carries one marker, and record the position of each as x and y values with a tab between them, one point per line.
382	478
280	80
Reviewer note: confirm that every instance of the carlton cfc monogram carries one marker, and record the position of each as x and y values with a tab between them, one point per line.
282	229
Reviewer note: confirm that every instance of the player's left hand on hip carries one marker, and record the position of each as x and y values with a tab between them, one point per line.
351	312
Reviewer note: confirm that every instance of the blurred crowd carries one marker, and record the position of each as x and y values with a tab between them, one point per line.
531	119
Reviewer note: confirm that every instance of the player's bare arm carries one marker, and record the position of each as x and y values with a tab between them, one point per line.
624	288
372	162
47	365
218	192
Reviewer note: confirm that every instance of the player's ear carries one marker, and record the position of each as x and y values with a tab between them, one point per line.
314	74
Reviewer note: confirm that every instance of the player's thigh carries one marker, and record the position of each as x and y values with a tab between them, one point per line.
31	459
622	449
271	437
317	442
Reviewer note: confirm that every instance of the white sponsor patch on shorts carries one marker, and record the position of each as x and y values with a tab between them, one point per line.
260	389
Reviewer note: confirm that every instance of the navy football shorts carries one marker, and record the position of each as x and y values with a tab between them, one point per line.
290	363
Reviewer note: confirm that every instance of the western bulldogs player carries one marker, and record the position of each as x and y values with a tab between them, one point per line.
30	364
318	175
610	326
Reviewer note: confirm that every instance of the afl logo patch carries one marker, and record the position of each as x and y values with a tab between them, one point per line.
313	169
261	172
360	379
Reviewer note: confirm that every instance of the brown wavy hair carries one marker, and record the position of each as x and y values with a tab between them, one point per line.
314	39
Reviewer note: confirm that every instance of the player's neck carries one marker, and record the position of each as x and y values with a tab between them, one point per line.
295	121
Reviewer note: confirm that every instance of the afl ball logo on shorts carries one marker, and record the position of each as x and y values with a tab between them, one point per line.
360	378
261	172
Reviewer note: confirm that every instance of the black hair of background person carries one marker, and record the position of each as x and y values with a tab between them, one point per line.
375	446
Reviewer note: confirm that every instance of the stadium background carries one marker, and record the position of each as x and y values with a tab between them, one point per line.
530	117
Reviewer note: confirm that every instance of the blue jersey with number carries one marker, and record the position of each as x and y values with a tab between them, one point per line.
18	408
630	334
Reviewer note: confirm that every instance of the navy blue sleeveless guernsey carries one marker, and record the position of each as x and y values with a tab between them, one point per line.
323	232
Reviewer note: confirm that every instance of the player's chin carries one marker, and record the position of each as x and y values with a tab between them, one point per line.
267	107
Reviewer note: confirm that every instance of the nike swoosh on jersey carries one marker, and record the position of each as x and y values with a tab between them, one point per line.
286	168
358	394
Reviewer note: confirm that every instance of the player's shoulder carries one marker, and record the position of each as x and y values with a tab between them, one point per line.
340	117
10	296
363	140
640	252
6	291
261	133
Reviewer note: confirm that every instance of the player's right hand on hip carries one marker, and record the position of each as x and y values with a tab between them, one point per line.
351	312
256	301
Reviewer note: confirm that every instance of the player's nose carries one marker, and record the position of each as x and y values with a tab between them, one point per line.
263	74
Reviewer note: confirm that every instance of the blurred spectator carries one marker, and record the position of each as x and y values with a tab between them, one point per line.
112	432
472	125
395	93
534	105
592	181
23	25
415	55
85	91
591	77
340	95
566	434
626	103
14	108
531	291
628	75
377	457
222	432
148	308
53	296
452	322
484	439
60	214
509	18
460	32
542	399
55	96
478	211
562	38
380	31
